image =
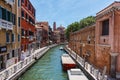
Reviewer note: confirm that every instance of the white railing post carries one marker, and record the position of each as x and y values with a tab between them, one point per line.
99	76
105	77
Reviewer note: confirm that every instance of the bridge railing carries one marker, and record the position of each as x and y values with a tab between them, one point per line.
11	71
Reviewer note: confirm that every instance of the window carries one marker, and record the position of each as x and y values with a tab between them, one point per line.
13	37
7	37
22	1
3	13
1	62
88	42
29	7
26	16
34	12
30	33
22	13
18	3
29	18
33	21
13	19
22	32
19	21
26	32
12	0
0	12
18	37
105	27
8	56
25	2
13	53
8	16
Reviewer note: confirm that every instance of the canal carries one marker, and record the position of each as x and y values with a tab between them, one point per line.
47	68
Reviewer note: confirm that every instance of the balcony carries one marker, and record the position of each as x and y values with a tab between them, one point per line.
6	25
10	2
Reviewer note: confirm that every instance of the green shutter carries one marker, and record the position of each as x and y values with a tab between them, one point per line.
0	12
4	14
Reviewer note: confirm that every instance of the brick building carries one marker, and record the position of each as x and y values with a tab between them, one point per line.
44	33
27	27
107	38
50	35
83	43
58	33
38	35
9	32
61	29
99	44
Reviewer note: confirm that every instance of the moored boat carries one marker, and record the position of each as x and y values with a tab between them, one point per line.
67	62
61	48
76	74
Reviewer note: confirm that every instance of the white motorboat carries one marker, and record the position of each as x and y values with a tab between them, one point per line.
61	48
76	74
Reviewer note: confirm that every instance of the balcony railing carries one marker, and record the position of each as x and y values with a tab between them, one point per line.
6	25
10	2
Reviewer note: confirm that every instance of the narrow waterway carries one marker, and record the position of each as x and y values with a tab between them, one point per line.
47	68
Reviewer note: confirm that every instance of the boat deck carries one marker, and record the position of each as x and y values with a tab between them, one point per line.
67	62
75	74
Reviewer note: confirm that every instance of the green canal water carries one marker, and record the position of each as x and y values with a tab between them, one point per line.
47	68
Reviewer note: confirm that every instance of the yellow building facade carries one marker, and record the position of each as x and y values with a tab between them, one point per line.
10	32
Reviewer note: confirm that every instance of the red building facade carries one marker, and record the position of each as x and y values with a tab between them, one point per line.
27	26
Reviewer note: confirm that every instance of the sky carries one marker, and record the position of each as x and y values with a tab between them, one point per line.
65	12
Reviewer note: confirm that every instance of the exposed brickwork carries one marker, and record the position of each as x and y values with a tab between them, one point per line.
82	42
104	42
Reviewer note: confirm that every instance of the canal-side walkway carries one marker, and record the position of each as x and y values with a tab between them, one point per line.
91	72
17	69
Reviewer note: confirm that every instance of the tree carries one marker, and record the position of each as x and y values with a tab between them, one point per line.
79	25
87	21
72	28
